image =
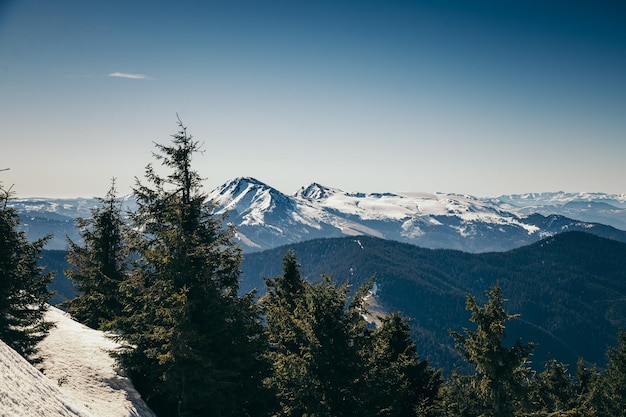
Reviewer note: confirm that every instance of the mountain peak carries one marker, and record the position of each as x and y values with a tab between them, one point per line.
238	188
315	191
240	184
249	196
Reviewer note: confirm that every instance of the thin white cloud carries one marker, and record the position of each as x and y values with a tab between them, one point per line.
128	75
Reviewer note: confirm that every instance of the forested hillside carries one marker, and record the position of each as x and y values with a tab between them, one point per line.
570	289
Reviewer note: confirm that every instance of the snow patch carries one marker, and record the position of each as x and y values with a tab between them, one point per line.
77	358
26	392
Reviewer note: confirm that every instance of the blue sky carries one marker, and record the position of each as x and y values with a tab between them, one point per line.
480	97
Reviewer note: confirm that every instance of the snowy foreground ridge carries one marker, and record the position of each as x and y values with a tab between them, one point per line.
79	379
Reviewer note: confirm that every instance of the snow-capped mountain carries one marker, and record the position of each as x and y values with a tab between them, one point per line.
609	209
265	217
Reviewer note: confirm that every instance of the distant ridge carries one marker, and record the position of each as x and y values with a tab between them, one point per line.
265	217
609	209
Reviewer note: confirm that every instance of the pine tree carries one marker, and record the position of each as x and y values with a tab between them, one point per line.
23	285
401	384
99	267
316	337
289	353
616	376
553	390
337	335
590	399
198	345
501	372
556	393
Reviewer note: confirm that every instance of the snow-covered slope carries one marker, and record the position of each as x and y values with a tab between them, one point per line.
266	218
79	377
26	392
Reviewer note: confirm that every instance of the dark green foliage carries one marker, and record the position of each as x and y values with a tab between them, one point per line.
99	267
400	384
23	286
554	389
327	361
499	383
570	289
504	385
590	398
336	335
555	392
197	344
314	345
616	376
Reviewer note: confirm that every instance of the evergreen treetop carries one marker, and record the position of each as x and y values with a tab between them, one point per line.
99	267
501	372
23	285
197	342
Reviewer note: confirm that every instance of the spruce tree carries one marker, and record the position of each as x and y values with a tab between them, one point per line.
197	345
499	383
318	343
23	285
616	376
99	267
554	390
284	309
337	335
590	399
400	384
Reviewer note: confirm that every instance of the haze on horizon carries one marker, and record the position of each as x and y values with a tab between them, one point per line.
484	98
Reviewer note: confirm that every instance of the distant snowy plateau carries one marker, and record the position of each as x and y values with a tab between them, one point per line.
266	218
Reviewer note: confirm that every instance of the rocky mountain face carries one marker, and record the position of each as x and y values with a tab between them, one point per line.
265	217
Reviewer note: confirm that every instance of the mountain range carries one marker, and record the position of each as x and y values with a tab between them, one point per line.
609	209
266	218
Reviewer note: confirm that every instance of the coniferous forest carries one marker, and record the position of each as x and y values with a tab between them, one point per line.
165	280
